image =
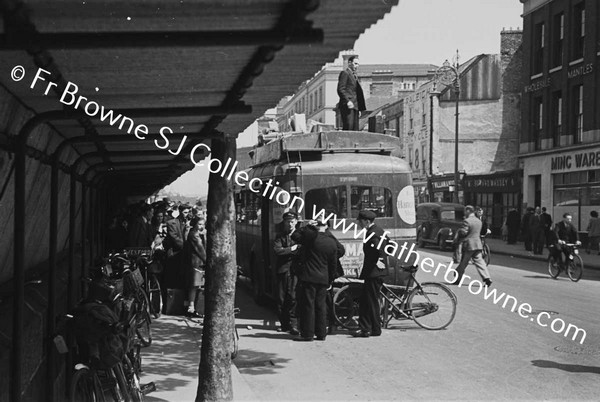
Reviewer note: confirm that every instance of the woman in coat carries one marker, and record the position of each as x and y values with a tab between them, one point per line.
195	246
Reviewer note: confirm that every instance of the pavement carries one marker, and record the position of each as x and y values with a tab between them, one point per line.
497	246
171	362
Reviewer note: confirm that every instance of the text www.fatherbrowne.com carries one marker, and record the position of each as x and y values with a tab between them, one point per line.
475	287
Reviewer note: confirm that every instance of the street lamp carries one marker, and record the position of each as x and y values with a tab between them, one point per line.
448	75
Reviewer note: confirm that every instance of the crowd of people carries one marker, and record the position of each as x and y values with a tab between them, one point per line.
176	235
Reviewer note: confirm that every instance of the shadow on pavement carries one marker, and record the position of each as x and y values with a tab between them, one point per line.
272	335
258	363
173	357
571	368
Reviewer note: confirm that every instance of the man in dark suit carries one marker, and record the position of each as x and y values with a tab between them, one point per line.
471	232
317	265
352	99
141	233
373	271
286	250
177	231
566	233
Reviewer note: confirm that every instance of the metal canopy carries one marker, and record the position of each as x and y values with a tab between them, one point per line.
202	68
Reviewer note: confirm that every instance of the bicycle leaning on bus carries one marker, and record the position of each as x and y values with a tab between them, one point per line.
431	305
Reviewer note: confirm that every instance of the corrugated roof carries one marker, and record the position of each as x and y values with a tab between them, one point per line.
168	60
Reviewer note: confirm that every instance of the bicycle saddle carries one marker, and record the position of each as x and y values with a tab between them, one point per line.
410	268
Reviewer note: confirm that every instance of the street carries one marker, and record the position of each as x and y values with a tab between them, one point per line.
486	353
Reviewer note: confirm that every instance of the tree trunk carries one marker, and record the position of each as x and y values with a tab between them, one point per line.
215	356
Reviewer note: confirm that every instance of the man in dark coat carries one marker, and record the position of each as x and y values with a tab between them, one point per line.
352	99
537	231
566	233
512	222
526	229
373	270
286	250
141	233
177	232
316	268
546	221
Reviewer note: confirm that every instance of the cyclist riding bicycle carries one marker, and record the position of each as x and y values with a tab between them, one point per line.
564	232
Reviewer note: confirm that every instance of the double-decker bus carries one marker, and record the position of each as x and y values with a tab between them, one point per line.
340	172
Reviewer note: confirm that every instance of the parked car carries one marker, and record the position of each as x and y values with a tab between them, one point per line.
437	223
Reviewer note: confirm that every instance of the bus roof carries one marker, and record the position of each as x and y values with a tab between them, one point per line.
328	142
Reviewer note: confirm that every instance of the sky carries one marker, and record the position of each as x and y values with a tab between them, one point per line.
414	32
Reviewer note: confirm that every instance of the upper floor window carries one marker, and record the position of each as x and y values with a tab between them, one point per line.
410	118
577	113
557	117
538	122
578	31
539	44
558	35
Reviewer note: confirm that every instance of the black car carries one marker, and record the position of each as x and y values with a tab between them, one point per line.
437	223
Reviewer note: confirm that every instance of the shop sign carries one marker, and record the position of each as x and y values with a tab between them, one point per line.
536	86
576	160
505	182
442	183
581	70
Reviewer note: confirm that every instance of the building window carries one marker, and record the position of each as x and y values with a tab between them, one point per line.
538	122
578	31
423	150
557	117
577	113
558	33
398	127
424	116
310	103
410	118
538	53
321	97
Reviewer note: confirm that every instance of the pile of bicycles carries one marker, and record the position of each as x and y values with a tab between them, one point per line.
103	335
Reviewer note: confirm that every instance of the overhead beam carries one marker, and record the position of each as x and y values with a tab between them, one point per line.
170	39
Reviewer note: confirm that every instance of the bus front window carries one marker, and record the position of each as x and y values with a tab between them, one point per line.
331	199
372	198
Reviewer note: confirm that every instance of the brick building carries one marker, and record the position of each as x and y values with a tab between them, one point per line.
489	127
317	97
560	145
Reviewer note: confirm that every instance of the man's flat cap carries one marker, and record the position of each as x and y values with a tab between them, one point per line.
365	214
290	215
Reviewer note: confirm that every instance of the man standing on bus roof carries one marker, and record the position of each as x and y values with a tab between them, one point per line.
352	99
373	271
286	251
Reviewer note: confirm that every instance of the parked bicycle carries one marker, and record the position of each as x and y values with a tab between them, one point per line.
431	305
485	252
149	269
573	264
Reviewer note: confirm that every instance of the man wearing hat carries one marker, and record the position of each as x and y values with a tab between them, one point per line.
286	250
315	269
373	271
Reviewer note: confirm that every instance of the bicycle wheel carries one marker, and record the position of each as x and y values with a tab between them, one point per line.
132	380
143	330
553	267
154	296
486	254
432	305
121	389
345	308
575	269
85	387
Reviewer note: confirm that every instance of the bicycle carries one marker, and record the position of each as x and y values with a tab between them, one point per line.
574	263
151	285
431	305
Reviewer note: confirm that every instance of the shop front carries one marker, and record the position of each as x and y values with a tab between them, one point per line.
496	193
441	188
566	181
